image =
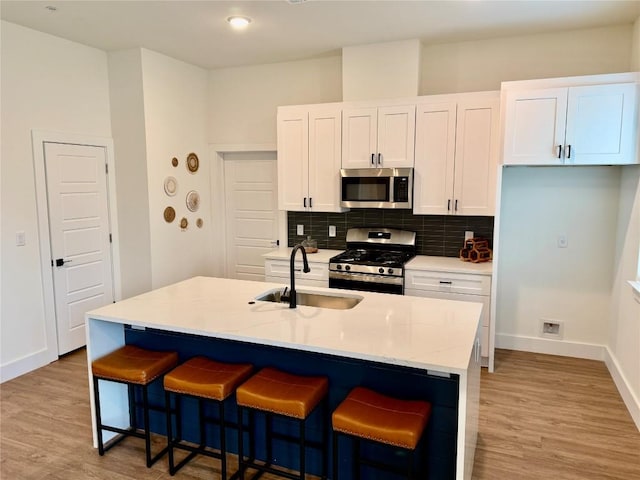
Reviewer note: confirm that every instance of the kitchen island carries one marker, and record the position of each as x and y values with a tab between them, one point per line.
428	345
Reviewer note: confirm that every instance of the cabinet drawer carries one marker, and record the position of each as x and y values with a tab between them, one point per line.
280	269
448	282
485	300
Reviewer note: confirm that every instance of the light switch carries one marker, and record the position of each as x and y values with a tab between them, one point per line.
20	239
467	235
332	230
300	230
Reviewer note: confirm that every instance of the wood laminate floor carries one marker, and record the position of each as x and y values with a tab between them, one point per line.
541	417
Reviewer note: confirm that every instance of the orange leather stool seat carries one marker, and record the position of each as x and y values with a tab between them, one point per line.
132	364
206	378
137	368
369	415
275	392
278	392
203	379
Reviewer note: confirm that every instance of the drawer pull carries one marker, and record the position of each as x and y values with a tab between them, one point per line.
442	282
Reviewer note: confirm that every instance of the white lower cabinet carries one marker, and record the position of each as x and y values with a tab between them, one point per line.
277	271
456	286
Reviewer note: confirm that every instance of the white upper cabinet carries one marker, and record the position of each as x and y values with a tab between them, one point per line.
582	125
309	147
456	155
378	136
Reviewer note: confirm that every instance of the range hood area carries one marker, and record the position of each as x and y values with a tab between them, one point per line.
381	70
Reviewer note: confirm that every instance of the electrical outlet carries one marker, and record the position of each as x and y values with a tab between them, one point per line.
332	230
300	230
563	242
467	235
20	239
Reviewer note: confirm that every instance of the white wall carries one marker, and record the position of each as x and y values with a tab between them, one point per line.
128	126
624	331
483	64
381	70
48	84
539	280
243	101
175	116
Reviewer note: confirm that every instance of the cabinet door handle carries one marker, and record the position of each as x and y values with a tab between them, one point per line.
446	282
456	207
310	202
373	156
568	151
379	159
449	205
305	202
559	151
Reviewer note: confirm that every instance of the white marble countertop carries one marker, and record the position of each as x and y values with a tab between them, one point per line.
419	262
448	264
284	253
419	332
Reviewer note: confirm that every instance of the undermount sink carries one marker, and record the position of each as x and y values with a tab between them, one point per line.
336	302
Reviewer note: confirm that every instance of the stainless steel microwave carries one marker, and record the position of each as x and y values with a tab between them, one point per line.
376	187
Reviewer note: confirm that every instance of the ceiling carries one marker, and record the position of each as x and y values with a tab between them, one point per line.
285	30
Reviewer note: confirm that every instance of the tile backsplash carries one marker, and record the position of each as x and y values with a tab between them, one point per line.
440	235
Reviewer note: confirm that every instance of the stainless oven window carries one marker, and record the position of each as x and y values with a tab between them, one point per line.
365	189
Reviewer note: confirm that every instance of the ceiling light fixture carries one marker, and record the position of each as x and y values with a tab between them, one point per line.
238	21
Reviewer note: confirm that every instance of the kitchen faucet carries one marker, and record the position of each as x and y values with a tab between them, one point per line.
305	269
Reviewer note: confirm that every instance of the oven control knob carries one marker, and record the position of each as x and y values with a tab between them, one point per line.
339	267
390	271
347	268
381	270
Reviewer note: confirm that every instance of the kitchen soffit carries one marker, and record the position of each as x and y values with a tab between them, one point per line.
197	31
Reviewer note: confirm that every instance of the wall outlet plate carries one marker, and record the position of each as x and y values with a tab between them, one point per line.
300	230
467	235
550	328
332	230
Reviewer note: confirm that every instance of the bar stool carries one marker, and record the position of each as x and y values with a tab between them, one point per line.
205	380
365	414
274	392
136	368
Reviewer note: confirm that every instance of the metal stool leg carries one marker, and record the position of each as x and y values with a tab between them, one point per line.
302	450
147	433
167	399
96	397
335	455
240	445
223	441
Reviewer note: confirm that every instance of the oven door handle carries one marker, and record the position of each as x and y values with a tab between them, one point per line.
366	277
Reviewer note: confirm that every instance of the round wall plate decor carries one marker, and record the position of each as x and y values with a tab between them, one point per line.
170	186
192	162
193	201
174	161
184	223
169	214
199	223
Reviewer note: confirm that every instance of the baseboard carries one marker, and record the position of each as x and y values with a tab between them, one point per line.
551	347
24	365
628	397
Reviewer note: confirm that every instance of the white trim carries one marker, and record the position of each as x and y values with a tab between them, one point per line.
551	347
38	138
630	399
23	365
625	77
242	147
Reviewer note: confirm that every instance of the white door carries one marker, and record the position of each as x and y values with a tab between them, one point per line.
535	127
396	136
359	137
600	124
80	236
251	199
476	157
435	156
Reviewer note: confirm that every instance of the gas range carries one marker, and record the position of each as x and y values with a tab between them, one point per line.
374	260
